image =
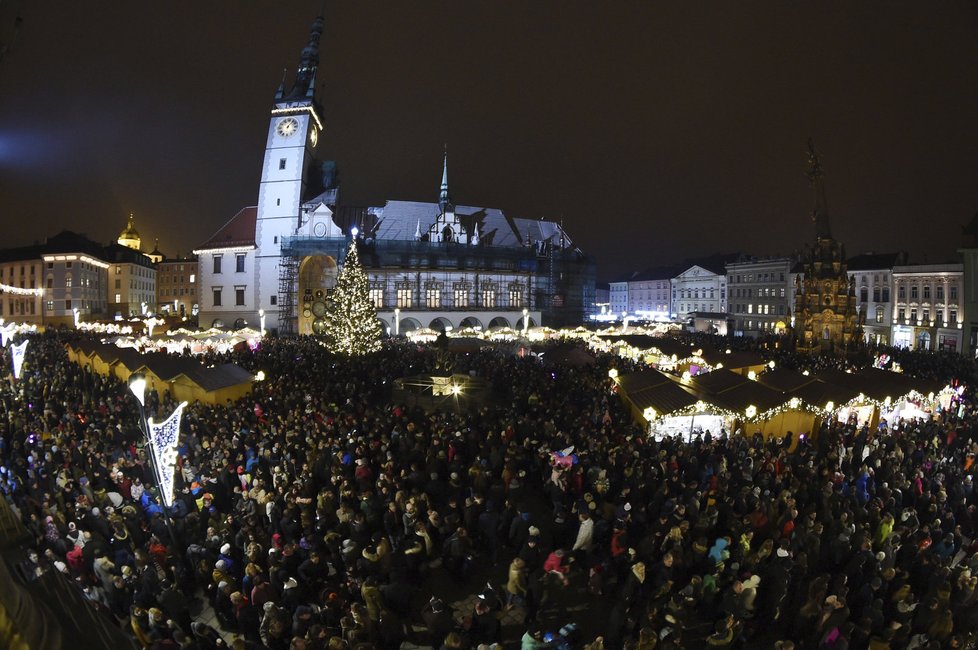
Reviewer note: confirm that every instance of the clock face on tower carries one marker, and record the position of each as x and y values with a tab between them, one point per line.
287	127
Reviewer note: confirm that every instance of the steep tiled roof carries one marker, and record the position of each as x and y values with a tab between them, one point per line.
400	220
239	231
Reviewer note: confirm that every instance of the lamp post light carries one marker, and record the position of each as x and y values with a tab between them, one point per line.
526	324
397	321
261	318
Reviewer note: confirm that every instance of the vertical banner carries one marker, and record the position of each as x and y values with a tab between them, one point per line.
18	352
6	334
164	438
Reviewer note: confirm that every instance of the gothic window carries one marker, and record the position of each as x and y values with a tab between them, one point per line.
433	294
404	298
377	297
488	295
516	295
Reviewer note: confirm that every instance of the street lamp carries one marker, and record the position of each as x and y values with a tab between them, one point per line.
526	324
261	317
397	321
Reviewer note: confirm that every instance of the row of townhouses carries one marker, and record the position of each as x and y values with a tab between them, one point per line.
901	304
71	277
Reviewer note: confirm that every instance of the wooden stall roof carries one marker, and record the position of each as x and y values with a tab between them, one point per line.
784	380
168	367
718	381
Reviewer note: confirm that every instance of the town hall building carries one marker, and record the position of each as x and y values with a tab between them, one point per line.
437	264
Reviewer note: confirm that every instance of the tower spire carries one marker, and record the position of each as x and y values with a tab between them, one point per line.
305	76
280	93
820	211
443	198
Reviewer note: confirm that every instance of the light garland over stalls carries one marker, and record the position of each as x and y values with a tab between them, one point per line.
700	408
19	291
9	330
793	404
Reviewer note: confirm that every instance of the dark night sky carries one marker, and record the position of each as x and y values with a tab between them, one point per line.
654	130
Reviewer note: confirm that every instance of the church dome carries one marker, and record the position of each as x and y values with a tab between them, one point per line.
130	236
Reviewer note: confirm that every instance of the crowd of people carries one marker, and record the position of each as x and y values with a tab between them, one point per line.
317	513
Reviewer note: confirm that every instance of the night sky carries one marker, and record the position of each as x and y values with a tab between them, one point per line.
655	131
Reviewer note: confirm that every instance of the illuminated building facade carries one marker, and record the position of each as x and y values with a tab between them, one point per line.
761	295
701	287
132	282
429	264
871	275
176	286
928	307
650	293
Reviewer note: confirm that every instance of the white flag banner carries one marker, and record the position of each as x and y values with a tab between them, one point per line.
6	334
164	438
18	352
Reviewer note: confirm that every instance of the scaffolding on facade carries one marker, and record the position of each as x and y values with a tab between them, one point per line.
287	281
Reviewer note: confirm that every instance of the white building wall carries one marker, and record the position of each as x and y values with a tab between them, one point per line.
228	280
698	289
928	303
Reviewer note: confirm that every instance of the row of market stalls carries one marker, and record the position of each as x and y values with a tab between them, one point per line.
181	340
183	378
776	401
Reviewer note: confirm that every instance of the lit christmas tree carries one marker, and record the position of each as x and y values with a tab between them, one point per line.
352	327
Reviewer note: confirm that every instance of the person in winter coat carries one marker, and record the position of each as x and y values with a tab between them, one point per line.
516	584
372	598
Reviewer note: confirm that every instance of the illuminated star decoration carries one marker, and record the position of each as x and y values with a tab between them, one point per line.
18	351
164	438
